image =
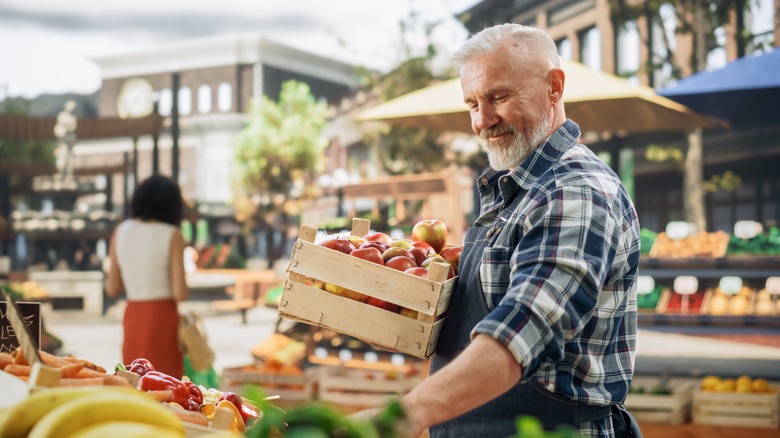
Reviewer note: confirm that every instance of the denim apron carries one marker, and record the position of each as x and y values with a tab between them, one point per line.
496	418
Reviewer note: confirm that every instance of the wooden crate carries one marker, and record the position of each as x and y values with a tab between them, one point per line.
657	408
289	387
363	388
303	302
736	409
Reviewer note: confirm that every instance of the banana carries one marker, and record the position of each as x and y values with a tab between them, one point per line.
30	410
125	429
83	412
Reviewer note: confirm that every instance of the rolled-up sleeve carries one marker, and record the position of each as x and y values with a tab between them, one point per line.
557	271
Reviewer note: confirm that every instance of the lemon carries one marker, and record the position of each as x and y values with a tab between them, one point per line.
726	385
760	385
744	380
708	383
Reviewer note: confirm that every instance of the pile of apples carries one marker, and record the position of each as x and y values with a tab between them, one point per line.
428	245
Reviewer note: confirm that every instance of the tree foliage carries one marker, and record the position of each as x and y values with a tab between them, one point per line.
403	150
698	20
277	153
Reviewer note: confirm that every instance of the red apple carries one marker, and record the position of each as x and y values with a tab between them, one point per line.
403	243
452	255
377	236
431	231
376	302
382	247
396	251
400	263
428	249
370	254
338	244
419	254
420	272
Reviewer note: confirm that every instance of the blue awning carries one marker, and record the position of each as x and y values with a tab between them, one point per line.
745	92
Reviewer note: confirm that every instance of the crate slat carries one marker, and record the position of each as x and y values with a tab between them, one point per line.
316	306
354	387
405	290
736	409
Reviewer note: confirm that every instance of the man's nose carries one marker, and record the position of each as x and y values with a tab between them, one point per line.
485	118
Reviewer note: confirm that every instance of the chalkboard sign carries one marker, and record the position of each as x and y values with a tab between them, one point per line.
31	314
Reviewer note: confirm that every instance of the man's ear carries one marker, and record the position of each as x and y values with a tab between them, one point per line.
555	85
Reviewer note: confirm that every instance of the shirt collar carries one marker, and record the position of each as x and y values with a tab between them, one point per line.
543	157
502	186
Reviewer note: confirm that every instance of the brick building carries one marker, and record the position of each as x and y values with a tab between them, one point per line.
587	31
217	79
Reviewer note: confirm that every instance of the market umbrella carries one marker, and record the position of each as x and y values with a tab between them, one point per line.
744	92
596	101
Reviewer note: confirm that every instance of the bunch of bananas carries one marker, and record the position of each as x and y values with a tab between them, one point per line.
90	412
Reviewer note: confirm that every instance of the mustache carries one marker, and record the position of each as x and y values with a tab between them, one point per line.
496	130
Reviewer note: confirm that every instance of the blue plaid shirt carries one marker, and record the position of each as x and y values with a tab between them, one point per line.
559	273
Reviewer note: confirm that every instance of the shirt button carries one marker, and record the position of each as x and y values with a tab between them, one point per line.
505	179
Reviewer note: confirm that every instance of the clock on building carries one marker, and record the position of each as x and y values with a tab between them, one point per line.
135	98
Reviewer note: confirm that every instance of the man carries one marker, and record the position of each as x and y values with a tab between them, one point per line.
543	321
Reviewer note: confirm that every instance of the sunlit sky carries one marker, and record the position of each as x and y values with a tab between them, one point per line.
46	46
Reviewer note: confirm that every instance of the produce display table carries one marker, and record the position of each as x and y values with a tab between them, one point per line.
247	287
654	430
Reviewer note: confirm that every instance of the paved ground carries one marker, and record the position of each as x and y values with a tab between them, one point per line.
99	340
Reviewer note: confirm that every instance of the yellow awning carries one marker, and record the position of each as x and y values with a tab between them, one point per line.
596	101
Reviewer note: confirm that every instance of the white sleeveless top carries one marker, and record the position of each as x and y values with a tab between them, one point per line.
143	252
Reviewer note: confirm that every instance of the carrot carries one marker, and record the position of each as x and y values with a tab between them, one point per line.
5	359
19	358
87	373
70	370
87	364
92	381
52	360
115	380
18	370
106	380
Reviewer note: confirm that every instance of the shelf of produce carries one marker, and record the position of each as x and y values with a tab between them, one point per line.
656	319
658	430
748	267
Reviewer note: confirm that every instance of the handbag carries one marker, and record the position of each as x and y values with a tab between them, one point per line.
192	336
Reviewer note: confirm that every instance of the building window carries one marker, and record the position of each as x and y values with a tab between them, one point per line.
662	45
564	49
165	103
568	10
590	48
627	52
224	97
185	101
204	99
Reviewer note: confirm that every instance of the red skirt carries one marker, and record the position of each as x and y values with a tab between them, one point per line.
151	331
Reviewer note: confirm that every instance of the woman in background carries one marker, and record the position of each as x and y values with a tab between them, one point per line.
147	265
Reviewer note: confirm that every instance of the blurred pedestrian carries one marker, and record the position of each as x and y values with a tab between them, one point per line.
147	264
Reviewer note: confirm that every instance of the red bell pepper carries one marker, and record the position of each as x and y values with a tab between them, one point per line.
247	410
157	381
196	394
140	366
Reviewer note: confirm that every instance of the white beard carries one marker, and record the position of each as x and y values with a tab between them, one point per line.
508	153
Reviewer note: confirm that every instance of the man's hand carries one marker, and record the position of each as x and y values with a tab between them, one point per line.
403	427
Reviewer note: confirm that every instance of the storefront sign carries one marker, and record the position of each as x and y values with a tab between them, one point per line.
30	315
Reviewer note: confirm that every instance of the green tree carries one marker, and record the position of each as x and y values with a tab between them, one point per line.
403	150
278	152
697	20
